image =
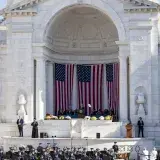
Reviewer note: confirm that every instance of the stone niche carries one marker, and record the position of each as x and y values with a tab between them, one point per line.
140	93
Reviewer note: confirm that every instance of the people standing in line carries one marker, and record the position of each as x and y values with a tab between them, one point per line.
140	125
34	125
20	123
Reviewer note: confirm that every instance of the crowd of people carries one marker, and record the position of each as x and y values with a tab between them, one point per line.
54	153
82	111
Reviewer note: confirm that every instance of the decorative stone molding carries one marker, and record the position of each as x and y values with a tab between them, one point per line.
140	6
144	10
75	51
77	59
20	13
22	5
142	2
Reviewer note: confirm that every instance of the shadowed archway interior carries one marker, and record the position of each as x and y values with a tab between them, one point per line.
82	29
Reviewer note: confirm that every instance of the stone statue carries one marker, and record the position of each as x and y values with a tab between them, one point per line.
140	100
145	154
22	101
153	155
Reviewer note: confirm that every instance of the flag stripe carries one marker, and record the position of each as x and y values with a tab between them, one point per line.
64	74
112	77
90	86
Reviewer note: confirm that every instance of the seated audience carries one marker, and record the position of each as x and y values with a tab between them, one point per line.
106	112
93	113
111	112
60	112
99	112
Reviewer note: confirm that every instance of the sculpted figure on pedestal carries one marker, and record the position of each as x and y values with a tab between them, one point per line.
140	101
22	101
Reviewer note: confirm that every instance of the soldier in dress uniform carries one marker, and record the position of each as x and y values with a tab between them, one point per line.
20	123
115	148
140	125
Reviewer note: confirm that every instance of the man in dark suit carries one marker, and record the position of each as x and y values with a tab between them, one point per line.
140	125
34	125
20	123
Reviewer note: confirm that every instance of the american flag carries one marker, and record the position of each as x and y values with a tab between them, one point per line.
90	79
63	85
112	77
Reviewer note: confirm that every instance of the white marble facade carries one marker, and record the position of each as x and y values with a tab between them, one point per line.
78	31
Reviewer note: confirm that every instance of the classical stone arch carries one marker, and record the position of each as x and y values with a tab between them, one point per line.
102	6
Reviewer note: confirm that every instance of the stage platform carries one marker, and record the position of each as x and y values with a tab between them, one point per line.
75	133
76	128
125	144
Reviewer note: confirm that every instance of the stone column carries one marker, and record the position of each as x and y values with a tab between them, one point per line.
123	53
41	89
75	89
154	72
49	88
105	99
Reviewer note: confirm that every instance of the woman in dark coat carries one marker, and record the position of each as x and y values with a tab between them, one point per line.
34	125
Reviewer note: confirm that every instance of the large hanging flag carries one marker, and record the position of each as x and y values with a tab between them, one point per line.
63	86
112	77
90	86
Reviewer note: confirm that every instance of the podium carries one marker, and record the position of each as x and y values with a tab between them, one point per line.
128	131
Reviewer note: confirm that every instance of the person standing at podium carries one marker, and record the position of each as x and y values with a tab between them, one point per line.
34	125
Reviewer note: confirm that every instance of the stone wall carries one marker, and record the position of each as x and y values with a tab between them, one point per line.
19	64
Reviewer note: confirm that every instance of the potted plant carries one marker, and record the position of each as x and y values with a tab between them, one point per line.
93	118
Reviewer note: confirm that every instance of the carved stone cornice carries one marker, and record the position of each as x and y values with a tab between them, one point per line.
134	6
80	51
20	6
139	10
140	5
20	13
